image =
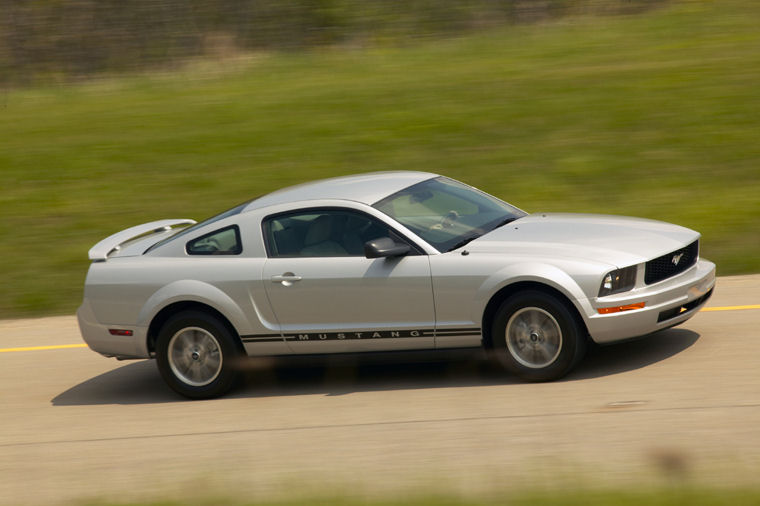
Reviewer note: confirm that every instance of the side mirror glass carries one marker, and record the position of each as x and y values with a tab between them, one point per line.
384	247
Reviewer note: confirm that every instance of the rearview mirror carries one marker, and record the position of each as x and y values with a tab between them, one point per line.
384	247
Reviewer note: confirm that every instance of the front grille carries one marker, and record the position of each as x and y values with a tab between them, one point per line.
669	265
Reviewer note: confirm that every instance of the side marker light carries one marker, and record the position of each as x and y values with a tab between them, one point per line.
618	309
120	332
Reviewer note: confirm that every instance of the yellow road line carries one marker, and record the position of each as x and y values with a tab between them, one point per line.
38	348
731	308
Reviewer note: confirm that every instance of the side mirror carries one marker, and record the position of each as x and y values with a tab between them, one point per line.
385	247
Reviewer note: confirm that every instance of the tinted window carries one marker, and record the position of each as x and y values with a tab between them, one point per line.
445	212
225	241
226	214
322	233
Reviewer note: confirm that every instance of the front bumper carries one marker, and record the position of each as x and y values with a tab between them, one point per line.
667	304
98	337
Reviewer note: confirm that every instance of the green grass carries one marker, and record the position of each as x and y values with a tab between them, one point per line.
651	497
654	115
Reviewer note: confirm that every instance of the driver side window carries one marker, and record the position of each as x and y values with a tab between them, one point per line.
322	233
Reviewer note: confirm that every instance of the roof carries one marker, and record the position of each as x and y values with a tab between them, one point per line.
366	188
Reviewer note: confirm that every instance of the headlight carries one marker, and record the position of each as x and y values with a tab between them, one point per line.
617	281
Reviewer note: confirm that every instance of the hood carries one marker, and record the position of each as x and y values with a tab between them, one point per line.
615	240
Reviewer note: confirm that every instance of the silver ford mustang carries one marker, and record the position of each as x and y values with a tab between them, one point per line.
384	261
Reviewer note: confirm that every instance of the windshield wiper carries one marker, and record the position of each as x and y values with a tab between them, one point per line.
464	241
474	236
506	221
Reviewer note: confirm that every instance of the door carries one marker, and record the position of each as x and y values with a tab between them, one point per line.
329	298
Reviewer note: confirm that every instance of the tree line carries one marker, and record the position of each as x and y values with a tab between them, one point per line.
51	40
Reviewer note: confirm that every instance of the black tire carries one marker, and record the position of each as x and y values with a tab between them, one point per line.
197	355
545	339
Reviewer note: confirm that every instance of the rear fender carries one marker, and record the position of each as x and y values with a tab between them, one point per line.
188	290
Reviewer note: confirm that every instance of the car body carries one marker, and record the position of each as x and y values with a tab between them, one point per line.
384	261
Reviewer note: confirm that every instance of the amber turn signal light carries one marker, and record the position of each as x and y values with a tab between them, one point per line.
618	309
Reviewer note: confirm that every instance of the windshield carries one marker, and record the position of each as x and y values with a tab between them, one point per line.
446	213
231	212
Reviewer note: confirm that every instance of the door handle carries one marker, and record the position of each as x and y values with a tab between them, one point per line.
286	279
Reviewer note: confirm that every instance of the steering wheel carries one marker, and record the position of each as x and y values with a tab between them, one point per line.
446	221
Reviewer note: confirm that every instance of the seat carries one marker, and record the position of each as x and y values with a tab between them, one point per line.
284	240
318	240
352	235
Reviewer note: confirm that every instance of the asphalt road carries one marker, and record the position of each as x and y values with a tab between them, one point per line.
679	406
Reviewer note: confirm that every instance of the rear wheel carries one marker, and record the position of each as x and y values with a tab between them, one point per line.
537	337
196	355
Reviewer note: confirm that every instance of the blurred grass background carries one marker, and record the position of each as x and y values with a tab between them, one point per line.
655	113
676	496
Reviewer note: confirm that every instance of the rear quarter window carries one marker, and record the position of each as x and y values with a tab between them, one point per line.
225	241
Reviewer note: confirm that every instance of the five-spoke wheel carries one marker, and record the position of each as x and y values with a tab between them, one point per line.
195	354
536	336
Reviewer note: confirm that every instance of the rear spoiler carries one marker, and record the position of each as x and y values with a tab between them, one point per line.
113	243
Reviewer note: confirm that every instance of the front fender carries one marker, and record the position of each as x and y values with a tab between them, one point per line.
535	272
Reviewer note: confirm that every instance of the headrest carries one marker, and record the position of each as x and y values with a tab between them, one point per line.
319	231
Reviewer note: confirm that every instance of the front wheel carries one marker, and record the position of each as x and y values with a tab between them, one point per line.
196	355
537	337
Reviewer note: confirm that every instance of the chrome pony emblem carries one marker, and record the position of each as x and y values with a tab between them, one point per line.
676	259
